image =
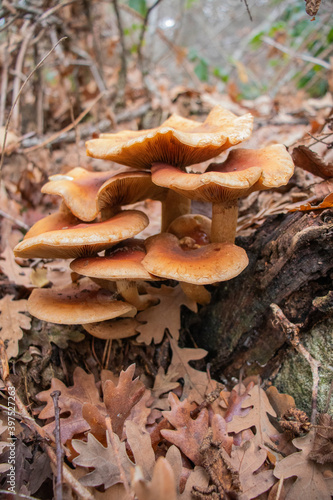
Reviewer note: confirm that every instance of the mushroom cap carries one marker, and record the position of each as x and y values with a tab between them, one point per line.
244	171
115	329
178	141
78	189
195	226
121	262
77	303
201	266
63	236
127	188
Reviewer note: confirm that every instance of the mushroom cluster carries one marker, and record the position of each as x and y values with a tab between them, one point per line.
191	248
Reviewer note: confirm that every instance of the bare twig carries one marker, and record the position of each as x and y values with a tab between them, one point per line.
291	332
123	69
296	55
18	222
4	83
248	10
68	128
80	490
17	98
57	435
143	31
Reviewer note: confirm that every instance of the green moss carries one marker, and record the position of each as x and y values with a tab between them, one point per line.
295	376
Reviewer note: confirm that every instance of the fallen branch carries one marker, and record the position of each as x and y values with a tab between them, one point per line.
291	332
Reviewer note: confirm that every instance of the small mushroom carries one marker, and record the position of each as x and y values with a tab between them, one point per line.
123	265
63	236
244	171
178	141
77	303
193	231
200	266
119	328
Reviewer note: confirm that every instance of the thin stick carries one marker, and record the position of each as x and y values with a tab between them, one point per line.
291	332
77	487
143	31
296	55
123	69
17	98
66	129
4	83
57	435
248	10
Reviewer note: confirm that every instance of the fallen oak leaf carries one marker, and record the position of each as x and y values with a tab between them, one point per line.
71	400
16	274
103	459
12	323
247	460
164	315
257	416
195	383
140	444
118	403
310	161
188	434
310	483
322	450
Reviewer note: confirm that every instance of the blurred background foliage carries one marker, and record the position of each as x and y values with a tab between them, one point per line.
136	48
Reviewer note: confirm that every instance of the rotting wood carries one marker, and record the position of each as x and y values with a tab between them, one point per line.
291	263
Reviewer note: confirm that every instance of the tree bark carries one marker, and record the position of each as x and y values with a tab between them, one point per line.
291	264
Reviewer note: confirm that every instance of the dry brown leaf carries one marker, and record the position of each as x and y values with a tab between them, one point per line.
280	402
310	483
71	401
247	459
103	459
141	411
161	487
118	402
12	321
195	383
15	273
38	277
322	451
257	416
310	161
140	444
188	434
164	315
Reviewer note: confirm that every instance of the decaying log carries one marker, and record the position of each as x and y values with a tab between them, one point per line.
291	264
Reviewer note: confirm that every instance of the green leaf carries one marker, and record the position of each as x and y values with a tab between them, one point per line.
221	74
139	5
201	70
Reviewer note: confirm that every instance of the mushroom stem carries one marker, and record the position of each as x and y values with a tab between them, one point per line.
198	293
173	206
129	291
224	222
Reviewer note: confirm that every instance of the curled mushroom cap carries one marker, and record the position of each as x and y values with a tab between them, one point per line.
78	189
127	188
178	141
203	266
77	303
123	262
244	171
63	236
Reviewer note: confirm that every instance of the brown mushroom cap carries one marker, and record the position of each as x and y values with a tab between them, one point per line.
127	188
115	329
63	236
178	141
121	262
77	303
203	266
78	189
244	171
